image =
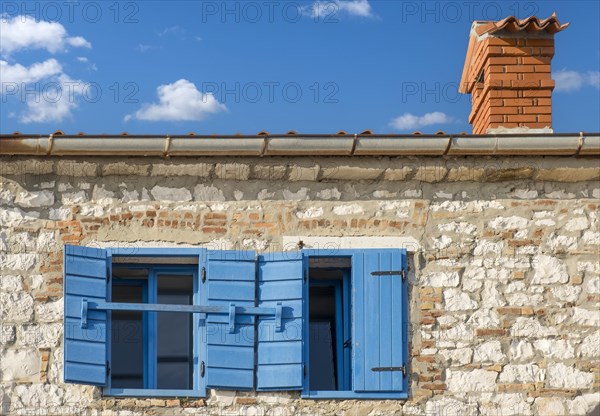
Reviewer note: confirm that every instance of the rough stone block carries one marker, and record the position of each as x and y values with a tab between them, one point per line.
15	216
74	198
7	334
19	365
522	373
549	270
303	173
35	199
26	167
400	174
73	168
465	173
568	377
199	170
125	169
208	193
269	172
161	193
440	279
471	381
350	173
49	311
431	174
232	171
571	174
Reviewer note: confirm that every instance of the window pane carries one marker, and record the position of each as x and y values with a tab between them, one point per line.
322	359
127	340
175	343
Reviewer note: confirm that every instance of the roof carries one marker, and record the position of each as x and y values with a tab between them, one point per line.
366	143
482	29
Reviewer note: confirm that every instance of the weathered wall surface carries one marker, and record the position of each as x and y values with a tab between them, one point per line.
505	278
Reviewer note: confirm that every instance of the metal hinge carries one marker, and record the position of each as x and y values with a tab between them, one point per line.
403	369
203	274
401	273
107	369
202	368
304	370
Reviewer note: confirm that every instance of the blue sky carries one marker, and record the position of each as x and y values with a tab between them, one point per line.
153	67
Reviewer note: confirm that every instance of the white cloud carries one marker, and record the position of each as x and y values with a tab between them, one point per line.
78	42
145	48
54	102
24	32
51	94
179	101
19	74
331	8
569	81
409	121
360	8
175	30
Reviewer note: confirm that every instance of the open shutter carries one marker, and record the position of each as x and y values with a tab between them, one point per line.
280	360
86	270
230	278
379	321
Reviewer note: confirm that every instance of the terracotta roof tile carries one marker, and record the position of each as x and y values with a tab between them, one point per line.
513	25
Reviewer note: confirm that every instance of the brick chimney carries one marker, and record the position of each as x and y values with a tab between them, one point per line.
507	73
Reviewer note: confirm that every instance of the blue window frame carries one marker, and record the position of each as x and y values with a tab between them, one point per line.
250	321
150	333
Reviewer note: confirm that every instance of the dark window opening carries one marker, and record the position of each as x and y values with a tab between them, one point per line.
330	345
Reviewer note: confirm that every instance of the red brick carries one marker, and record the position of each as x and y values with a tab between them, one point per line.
214	230
482	332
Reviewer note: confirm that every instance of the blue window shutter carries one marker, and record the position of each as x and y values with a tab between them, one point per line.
230	278
280	360
85	277
379	321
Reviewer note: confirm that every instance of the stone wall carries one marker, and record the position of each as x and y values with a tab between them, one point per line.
504	283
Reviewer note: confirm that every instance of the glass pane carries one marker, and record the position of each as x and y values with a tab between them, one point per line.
322	354
123	273
127	340
174	343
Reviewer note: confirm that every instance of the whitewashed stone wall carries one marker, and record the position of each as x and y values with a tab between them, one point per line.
505	268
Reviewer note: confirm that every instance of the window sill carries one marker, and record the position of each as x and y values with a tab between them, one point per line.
318	395
153	393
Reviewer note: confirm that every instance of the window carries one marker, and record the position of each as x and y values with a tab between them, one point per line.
173	322
152	350
357	326
329	338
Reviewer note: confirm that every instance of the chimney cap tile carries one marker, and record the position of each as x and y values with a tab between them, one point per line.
531	24
482	29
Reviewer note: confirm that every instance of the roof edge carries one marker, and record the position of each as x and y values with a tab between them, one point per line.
517	144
